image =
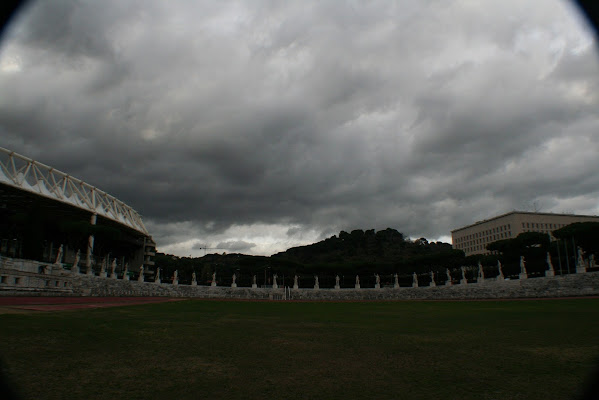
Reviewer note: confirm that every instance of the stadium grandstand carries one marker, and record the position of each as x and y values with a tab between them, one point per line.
46	213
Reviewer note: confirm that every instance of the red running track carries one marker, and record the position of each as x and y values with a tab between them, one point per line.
73	303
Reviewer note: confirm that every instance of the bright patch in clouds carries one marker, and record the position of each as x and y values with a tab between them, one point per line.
257	239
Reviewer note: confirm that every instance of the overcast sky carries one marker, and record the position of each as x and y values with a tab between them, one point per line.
254	126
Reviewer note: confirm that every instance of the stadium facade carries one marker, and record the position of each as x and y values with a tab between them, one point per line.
47	214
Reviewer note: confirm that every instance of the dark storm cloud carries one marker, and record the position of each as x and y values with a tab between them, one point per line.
69	28
246	123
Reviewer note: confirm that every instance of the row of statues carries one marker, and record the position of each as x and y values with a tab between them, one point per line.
480	277
104	266
463	280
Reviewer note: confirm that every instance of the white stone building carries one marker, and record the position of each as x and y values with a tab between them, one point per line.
474	238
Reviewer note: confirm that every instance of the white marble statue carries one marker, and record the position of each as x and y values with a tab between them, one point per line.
580	264
550	271
523	273
357	282
176	277
395	281
432	274
414	280
103	268
275	285
481	272
234	282
59	255
75	268
140	278
194	280
88	255
448	281
463	281
213	279
254	284
295	283
377	281
549	262
500	276
112	269
316	284
126	272
157	278
337	282
88	267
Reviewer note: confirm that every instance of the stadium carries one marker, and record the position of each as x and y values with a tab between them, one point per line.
53	218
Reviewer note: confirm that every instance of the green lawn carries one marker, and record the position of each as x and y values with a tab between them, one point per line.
243	350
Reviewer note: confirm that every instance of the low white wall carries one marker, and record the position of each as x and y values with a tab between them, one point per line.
21	277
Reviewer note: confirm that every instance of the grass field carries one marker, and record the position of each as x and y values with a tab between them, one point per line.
259	350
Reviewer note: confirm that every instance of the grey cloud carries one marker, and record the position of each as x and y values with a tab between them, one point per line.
71	28
321	116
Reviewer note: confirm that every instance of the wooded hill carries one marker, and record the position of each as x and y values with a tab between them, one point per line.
359	252
385	251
